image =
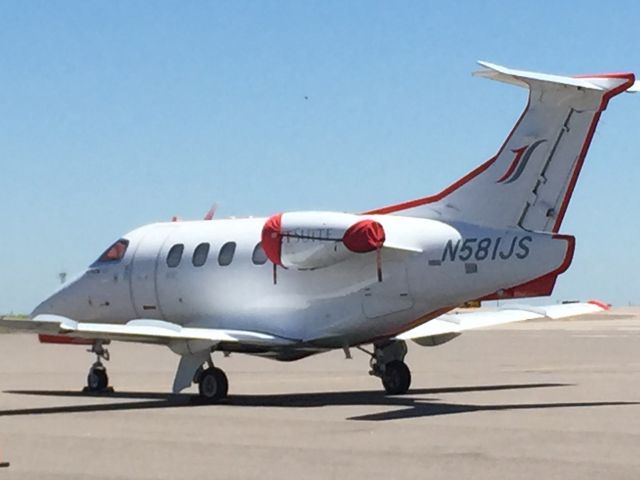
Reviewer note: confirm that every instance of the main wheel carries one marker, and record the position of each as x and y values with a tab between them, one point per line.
97	380
213	385
396	378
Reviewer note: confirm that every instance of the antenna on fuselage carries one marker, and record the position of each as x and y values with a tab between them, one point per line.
208	216
63	277
211	212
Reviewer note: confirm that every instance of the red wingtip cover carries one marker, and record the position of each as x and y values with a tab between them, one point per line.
600	303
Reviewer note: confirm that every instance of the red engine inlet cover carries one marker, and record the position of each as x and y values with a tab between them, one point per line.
272	239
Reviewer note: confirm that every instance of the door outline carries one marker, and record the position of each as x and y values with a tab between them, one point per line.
134	283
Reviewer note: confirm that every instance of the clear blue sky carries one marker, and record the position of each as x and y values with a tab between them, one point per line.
120	113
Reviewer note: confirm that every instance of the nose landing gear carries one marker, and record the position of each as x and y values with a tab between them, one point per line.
97	379
213	384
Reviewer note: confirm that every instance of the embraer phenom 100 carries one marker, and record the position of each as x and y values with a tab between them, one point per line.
300	283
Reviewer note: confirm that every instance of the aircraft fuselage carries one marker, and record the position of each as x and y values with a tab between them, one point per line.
337	305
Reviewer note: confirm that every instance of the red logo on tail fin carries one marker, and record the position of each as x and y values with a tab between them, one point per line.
519	163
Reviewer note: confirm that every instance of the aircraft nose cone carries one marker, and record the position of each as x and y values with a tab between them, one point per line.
43	308
63	302
52	305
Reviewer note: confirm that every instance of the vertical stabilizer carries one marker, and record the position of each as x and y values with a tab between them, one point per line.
529	183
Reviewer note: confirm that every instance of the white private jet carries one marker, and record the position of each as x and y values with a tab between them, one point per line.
301	283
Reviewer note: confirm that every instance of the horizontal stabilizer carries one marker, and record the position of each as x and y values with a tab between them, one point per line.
521	78
635	88
450	325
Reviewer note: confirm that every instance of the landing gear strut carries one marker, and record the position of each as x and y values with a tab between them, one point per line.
213	384
97	379
387	363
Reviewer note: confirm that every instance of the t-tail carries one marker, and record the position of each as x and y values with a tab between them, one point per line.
529	183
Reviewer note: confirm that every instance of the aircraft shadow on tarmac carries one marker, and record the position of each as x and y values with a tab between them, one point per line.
411	405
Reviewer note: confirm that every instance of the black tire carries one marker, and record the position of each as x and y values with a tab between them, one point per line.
396	378
213	385
97	380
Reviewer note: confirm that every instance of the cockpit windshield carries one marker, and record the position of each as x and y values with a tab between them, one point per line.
115	252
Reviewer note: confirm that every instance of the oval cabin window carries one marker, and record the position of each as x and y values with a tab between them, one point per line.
259	257
200	255
225	257
175	255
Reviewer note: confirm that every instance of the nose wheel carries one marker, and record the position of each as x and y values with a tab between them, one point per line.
97	379
213	385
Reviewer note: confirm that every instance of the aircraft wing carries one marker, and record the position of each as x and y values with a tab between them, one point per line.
447	327
48	324
140	330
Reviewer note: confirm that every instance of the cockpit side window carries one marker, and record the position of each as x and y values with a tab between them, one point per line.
175	255
115	252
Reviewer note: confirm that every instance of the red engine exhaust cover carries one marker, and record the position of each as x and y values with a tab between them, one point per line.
364	236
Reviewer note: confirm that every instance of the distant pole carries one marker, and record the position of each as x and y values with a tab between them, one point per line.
62	276
3	464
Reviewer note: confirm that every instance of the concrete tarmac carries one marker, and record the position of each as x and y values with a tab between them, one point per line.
552	400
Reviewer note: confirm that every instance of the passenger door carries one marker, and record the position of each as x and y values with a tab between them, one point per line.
143	273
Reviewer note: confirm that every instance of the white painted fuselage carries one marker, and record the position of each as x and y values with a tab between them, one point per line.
338	305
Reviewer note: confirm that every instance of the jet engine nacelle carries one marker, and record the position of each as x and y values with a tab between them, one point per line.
310	240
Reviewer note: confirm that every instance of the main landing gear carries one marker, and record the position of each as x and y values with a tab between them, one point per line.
97	379
387	363
213	384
